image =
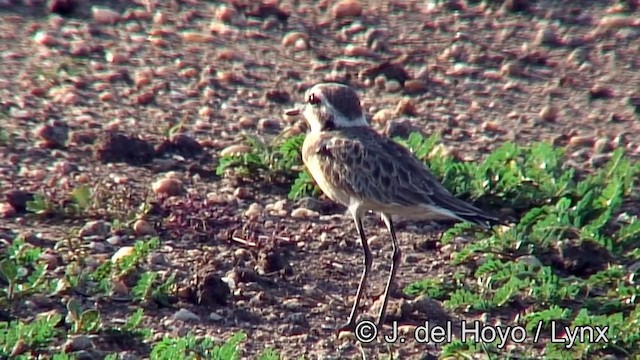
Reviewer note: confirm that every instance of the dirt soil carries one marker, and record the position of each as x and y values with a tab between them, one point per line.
89	98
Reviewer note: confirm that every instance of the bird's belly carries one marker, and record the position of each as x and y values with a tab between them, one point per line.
326	185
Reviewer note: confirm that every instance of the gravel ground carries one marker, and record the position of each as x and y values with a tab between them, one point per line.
95	95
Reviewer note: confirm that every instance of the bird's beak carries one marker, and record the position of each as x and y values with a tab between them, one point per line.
294	111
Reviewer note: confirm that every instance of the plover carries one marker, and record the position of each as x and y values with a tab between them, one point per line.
365	171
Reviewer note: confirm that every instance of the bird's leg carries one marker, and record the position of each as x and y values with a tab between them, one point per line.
368	259
395	262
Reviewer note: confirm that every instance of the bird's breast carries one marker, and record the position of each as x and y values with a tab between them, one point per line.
320	169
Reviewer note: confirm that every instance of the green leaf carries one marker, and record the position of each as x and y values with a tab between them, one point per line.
82	196
8	270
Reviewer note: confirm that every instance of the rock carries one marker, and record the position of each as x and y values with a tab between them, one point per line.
346	8
113	147
269	125
277	96
54	134
181	144
95	228
253	211
168	187
121	253
18	199
401	128
302	213
235	150
142	227
185	315
62	7
530	260
103	15
77	343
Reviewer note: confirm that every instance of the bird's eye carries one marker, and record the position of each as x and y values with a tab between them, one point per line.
313	99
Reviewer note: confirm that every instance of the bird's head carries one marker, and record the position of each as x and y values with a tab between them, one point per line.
329	106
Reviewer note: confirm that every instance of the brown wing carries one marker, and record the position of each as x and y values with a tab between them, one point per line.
370	166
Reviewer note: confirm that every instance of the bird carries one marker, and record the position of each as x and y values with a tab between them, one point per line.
365	171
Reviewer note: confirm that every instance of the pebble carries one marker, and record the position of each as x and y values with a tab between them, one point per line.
121	253
6	210
599	160
414	86
290	38
77	343
168	186
242	193
347	8
548	113
382	116
392	86
253	211
303	213
103	15
185	315
530	260
269	125
142	227
546	36
43	38
235	150
119	287
602	145
215	317
95	228
55	134
581	141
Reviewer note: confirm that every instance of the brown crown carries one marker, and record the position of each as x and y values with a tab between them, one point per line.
343	99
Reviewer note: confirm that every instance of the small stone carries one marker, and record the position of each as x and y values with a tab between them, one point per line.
277	96
511	69
546	36
168	186
119	287
43	38
269	125
51	260
582	141
235	150
392	86
406	106
225	14
55	134
530	260
401	128
95	228
548	113
599	160
61	7
414	86
142	227
382	116
253	211
242	193
104	15
77	343
599	91
121	253
114	240
6	210
491	126
215	317
185	315
290	38
602	145
375	242
18	199
347	8
303	213
246	123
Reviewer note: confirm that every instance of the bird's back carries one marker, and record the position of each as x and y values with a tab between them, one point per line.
357	163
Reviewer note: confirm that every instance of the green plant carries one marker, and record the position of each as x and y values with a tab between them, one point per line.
191	347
